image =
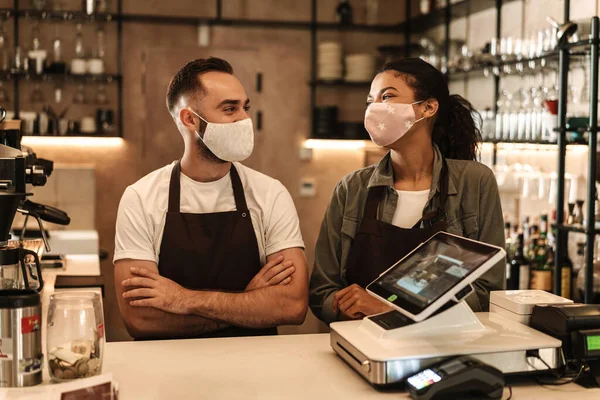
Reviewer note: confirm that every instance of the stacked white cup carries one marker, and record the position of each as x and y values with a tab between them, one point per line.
330	61
360	67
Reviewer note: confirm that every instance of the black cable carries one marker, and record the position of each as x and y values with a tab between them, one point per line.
509	392
572	380
555	383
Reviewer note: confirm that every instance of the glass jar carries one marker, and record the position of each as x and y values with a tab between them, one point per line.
75	336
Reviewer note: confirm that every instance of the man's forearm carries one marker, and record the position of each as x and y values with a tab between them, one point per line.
262	308
150	323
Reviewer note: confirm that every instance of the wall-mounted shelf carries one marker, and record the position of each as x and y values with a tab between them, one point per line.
75	16
536	142
437	17
20	16
339	83
54	77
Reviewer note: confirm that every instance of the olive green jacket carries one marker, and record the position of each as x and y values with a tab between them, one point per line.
473	210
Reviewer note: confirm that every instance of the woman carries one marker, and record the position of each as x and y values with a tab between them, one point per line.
428	182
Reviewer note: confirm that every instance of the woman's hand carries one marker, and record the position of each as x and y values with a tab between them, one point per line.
355	303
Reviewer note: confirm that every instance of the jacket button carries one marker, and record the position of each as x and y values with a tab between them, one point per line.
244	215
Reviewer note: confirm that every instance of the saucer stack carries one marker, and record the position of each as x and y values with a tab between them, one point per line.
360	67
330	61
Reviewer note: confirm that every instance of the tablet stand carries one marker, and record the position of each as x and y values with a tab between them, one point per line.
452	318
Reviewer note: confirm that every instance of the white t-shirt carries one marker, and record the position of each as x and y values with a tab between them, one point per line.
410	208
143	209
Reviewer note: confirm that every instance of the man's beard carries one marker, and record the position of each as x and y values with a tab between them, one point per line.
204	152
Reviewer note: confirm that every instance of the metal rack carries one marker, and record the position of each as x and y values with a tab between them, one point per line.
412	25
589	229
68	16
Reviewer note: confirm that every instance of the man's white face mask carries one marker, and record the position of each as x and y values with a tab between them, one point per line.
232	141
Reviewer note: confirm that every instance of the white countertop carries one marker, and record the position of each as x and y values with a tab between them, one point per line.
290	367
275	367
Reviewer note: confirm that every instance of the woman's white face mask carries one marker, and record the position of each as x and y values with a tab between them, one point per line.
232	141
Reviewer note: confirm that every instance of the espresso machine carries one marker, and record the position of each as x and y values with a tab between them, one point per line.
21	281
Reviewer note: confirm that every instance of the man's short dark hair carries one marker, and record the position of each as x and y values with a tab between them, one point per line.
187	80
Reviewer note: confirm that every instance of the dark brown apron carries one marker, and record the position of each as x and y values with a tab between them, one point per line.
213	251
378	245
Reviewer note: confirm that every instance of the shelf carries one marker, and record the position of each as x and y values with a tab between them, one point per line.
396	28
455	73
536	142
53	77
250	23
49	15
340	83
78	135
575	228
421	23
73	140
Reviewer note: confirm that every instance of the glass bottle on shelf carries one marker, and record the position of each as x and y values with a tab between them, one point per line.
519	268
371	12
571	216
544	226
79	49
36	36
56	46
4	53
100	50
578	213
542	266
526	232
102	6
566	269
344	13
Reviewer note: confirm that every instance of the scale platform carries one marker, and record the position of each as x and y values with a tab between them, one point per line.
385	356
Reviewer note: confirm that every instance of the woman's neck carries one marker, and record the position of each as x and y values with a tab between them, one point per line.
412	161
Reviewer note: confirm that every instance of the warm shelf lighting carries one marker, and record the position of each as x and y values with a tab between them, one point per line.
72	141
335	144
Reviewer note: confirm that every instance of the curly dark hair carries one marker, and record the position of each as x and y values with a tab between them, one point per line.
187	79
457	129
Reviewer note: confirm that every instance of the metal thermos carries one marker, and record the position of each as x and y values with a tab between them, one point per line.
21	356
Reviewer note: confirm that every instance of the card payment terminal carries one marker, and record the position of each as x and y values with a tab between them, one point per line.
456	378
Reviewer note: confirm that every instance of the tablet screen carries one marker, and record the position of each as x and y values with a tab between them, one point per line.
431	271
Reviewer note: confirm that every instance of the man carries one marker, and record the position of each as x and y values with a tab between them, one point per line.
206	247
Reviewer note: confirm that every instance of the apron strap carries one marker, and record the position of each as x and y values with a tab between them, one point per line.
238	190
373	199
441	209
175	188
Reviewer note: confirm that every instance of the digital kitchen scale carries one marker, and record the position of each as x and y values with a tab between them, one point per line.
431	321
